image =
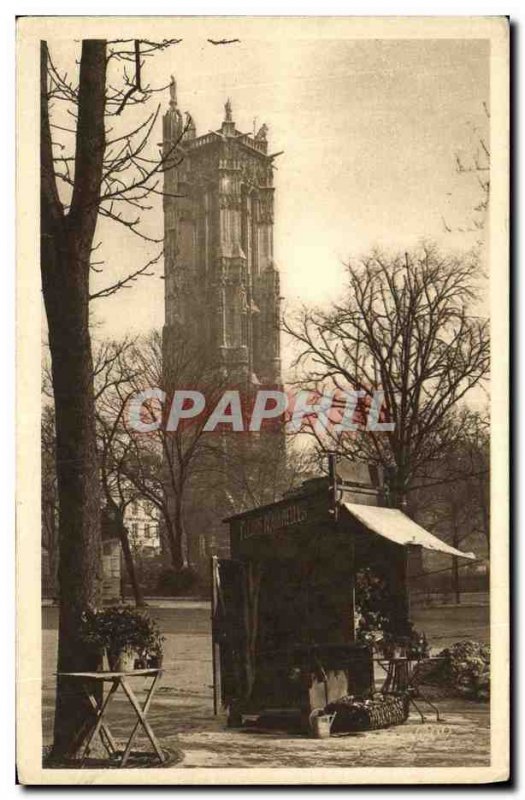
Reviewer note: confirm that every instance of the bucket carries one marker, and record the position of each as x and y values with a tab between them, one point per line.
320	724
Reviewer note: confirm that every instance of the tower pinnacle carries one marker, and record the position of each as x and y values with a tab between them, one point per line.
228	111
172	124
173	93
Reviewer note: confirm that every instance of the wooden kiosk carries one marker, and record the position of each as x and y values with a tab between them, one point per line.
283	612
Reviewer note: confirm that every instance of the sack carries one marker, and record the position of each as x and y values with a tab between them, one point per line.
353	714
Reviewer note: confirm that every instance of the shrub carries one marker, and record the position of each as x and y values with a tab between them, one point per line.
174	583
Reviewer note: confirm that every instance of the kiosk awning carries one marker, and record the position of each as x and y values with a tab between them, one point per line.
392	524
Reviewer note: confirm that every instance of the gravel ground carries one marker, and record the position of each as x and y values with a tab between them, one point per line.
182	716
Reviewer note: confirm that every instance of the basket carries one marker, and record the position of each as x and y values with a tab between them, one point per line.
353	714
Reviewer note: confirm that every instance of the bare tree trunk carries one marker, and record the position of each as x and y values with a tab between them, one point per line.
455	579
455	568
485	514
129	562
175	531
66	242
180	534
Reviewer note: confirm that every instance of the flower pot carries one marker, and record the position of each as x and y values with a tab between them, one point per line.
123	661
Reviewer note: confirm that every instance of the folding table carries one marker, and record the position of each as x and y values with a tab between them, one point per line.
100	727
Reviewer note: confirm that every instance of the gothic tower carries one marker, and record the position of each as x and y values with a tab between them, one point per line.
221	283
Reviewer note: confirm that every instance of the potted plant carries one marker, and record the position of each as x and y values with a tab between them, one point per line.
130	639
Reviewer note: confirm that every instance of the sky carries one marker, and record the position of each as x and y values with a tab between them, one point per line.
369	129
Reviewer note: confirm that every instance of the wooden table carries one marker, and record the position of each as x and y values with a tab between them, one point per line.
101	728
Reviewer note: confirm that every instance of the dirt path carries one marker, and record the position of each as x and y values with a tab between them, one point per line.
182	718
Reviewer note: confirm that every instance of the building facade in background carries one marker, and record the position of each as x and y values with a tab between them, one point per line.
141	519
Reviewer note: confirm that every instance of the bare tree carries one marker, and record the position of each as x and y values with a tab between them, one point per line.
161	465
405	329
452	497
111	378
455	488
265	467
176	470
117	493
476	452
105	174
187	454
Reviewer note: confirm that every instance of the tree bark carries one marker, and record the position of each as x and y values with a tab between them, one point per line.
66	242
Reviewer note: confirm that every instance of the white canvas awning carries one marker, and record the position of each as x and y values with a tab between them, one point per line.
392	524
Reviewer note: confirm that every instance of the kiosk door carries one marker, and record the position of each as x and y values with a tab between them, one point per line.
228	631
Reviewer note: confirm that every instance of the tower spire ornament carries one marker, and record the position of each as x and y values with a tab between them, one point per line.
172	123
173	92
228	111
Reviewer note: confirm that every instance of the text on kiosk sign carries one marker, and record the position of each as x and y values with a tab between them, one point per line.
272	521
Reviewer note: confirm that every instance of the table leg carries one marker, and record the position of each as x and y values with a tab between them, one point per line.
432	706
389	680
108	742
422	696
411	700
100	714
142	721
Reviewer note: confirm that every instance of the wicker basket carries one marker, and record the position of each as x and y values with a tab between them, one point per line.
353	714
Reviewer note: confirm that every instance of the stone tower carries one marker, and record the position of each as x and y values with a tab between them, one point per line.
221	283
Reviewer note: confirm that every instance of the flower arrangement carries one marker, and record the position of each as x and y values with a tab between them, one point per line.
377	623
130	638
